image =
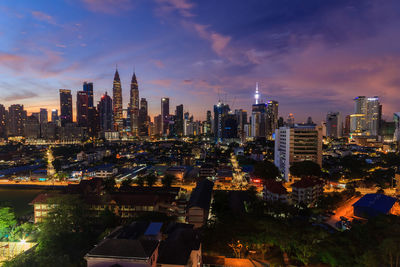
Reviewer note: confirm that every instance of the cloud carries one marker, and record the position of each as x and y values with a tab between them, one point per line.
182	6
158	63
108	6
61	45
20	96
43	17
162	82
218	41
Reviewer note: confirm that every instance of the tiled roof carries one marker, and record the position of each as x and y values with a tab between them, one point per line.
307	182
275	187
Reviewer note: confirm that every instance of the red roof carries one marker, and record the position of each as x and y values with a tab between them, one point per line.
275	187
307	182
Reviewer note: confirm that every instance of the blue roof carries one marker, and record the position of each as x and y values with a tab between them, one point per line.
378	202
153	229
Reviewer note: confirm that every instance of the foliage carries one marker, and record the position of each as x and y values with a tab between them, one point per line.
7	221
305	168
266	170
110	185
140	180
151	179
168	180
57	164
127	182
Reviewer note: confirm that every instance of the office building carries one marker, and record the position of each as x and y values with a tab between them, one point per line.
16	120
105	109
272	118
158	125
297	143
367	117
54	115
82	108
165	115
334	125
143	119
134	106
65	106
290	120
3	121
241	119
88	88
179	120
221	111
117	103
32	128
259	120
43	116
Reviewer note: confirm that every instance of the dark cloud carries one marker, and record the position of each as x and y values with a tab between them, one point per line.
22	95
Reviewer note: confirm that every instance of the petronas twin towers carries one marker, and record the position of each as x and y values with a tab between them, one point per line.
133	108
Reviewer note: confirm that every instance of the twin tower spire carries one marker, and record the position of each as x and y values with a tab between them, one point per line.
133	107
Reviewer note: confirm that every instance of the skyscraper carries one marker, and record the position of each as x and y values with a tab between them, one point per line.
164	115
334	125
179	120
3	121
221	111
105	109
16	119
82	108
65	106
88	88
43	116
272	117
117	103
134	105
54	115
259	120
366	117
143	120
290	120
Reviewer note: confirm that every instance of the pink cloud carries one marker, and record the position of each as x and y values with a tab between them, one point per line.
159	64
43	17
182	6
162	82
218	41
108	6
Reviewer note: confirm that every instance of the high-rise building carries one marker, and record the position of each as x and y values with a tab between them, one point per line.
396	120
65	106
230	127
367	116
143	119
16	120
3	121
259	120
134	106
158	125
208	123
241	120
88	88
334	125
290	120
221	111
43	116
165	115
117	103
105	109
54	115
272	117
32	127
179	120
297	143
82	108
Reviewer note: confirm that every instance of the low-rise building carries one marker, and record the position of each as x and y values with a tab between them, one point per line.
307	191
199	203
275	191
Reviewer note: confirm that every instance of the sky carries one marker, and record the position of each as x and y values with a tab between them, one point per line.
312	56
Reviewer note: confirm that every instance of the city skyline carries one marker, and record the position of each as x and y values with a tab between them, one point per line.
311	62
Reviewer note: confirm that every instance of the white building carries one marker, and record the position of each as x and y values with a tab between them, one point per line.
298	143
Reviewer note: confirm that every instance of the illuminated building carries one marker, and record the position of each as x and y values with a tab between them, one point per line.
3	122
257	95
367	116
241	119
117	103
105	109
179	120
16	119
143	119
134	106
88	88
220	114
158	125
54	115
65	106
290	120
334	125
259	120
164	115
43	116
297	143
396	120
82	108
272	117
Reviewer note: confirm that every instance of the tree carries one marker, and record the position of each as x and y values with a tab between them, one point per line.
7	221
168	180
57	164
266	170
140	181
127	182
109	185
305	168
151	179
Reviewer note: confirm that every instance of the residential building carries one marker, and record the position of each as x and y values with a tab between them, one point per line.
307	191
105	109
198	207
82	108
275	191
165	116
334	125
65	106
16	120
